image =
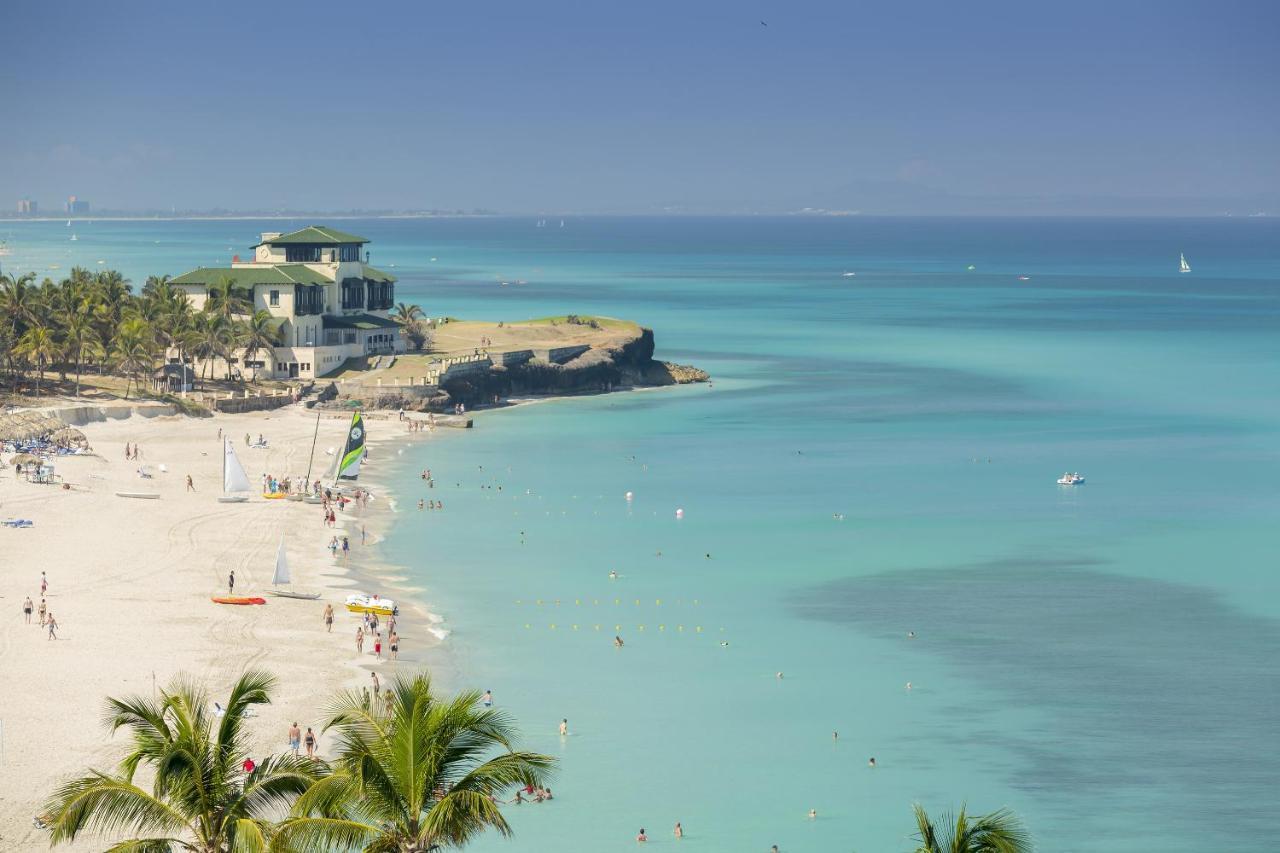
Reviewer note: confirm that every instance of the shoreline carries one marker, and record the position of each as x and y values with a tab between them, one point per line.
130	581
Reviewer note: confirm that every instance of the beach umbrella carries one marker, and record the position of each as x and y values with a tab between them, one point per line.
25	459
69	437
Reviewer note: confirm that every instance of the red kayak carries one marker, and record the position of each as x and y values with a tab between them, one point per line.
238	599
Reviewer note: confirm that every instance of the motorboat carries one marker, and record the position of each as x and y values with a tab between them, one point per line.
363	603
1071	479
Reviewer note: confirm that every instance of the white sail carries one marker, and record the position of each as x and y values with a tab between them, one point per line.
282	566
233	476
1183	266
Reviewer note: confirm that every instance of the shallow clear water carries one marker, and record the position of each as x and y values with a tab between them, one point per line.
1100	659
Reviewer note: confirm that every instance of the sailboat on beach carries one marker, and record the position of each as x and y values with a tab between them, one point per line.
1183	266
281	576
346	466
235	483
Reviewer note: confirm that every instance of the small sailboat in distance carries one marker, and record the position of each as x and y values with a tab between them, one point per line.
1183	266
281	576
235	483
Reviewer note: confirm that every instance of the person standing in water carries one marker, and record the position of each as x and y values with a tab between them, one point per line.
678	832
564	727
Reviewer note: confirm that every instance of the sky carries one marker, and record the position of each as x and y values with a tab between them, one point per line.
609	107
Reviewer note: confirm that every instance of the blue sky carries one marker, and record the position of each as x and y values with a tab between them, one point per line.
918	107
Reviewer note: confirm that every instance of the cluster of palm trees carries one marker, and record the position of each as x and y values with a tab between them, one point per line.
420	773
94	320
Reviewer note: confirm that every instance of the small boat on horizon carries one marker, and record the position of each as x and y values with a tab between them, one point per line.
1071	479
848	274
1183	266
74	237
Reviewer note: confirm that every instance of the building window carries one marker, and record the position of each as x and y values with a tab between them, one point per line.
302	254
306	365
349	337
275	298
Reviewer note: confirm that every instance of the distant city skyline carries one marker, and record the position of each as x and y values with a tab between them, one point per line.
1000	108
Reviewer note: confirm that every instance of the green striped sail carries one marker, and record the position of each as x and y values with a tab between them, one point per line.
349	465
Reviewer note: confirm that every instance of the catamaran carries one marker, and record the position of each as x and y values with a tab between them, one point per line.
234	480
281	576
1183	266
1071	479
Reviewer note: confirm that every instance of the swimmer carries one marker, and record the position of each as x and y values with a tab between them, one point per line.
617	642
421	503
908	685
779	675
835	736
813	813
613	575
871	762
487	699
708	556
724	644
641	836
911	635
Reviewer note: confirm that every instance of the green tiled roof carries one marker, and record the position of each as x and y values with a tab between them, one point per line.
360	321
314	234
369	273
249	276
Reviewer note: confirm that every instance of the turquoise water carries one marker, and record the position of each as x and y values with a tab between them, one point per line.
1101	659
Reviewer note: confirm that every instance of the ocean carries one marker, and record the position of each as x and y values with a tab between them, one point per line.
869	499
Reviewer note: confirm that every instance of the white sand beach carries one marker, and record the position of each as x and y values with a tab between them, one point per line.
130	584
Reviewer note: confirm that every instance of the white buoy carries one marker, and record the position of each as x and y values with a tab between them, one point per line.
629	496
680	513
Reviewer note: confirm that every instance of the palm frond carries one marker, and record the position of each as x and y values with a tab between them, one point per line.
105	804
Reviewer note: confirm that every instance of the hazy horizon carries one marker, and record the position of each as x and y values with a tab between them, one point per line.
1145	109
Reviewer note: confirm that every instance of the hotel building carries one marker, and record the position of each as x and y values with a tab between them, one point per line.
330	305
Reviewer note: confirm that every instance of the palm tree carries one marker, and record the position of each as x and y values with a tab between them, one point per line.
428	773
226	300
17	305
998	832
134	350
38	344
200	800
410	319
79	338
208	338
258	332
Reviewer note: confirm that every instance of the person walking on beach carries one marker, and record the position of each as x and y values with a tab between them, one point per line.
53	627
377	688
231	582
310	741
44	584
295	738
377	646
27	607
346	549
191	487
394	642
328	618
44	609
359	641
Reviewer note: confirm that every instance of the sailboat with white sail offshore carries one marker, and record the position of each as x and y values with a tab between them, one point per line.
235	483
1183	266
